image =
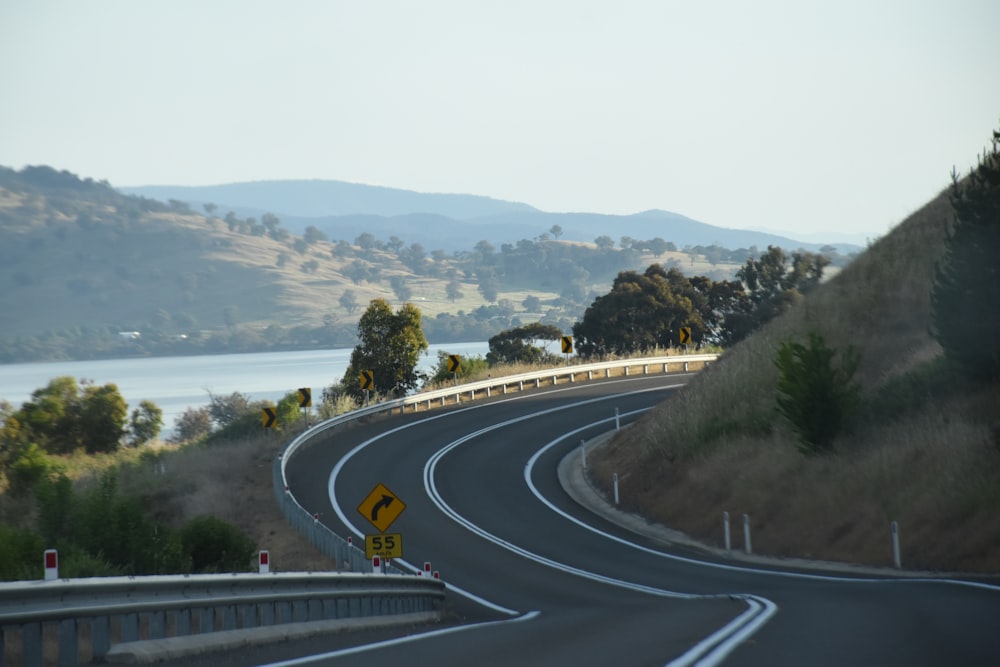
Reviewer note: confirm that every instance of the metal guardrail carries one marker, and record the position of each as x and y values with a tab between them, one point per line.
347	556
159	606
485	388
154	607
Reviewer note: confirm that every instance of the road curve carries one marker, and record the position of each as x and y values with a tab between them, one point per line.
551	583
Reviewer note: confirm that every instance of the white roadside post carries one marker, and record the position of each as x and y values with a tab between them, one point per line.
51	562
618	422
746	534
376	565
725	530
583	453
616	488
263	561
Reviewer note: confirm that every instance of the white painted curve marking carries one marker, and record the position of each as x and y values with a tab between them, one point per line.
718	645
354	650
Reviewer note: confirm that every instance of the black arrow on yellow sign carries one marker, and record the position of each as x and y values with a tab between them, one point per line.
268	417
567	344
385	502
454	363
305	397
685	335
367	379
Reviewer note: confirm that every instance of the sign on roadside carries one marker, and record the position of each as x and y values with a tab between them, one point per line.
381	507
386	545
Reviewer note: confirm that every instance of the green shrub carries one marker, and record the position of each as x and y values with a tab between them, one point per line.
20	554
29	468
815	396
212	545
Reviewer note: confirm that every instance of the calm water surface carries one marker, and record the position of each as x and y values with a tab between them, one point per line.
177	383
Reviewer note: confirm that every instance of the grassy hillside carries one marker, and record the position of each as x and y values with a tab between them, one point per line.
80	262
924	449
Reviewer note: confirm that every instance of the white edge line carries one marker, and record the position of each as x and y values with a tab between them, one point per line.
398	641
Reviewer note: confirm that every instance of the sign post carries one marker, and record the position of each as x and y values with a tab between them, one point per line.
367	381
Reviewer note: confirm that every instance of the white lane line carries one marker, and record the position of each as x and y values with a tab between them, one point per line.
354	650
529	466
342	515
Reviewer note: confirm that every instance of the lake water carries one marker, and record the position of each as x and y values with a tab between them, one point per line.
177	383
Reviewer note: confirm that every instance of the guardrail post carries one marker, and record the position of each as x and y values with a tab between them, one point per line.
725	530
685	367
100	635
896	561
68	645
645	369
746	535
31	643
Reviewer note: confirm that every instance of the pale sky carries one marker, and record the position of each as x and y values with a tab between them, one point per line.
789	115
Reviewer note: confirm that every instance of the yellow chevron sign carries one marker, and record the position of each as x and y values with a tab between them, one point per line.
305	397
268	417
685	335
367	379
567	344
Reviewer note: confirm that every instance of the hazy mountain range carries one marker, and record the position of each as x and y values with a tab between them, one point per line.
449	221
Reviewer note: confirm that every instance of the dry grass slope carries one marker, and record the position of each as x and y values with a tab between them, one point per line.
934	467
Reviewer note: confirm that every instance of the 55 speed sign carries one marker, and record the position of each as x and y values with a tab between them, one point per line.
386	545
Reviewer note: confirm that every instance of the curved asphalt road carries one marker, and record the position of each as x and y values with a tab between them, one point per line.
554	584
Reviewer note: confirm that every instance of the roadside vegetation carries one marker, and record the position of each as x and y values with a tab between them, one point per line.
837	407
915	436
181	281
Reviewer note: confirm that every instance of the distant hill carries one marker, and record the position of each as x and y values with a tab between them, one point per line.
325	198
450	221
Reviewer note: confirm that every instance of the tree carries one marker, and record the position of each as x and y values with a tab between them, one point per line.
146	422
556	231
391	344
313	234
61	418
366	241
401	288
225	410
772	287
519	345
641	312
102	417
966	290
194	423
349	301
816	397
454	290
489	284
604	242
